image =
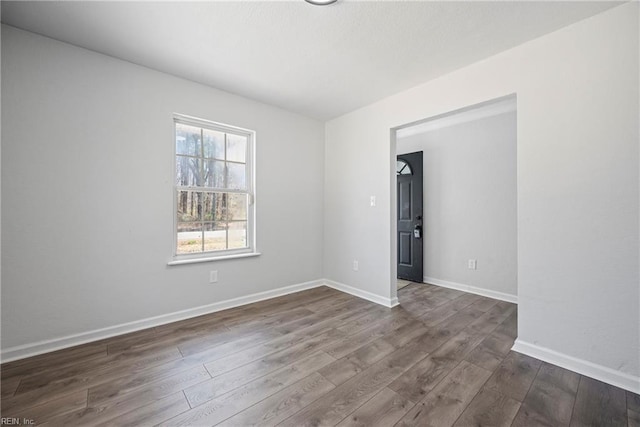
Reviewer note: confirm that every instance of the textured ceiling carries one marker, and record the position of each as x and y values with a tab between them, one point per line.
318	61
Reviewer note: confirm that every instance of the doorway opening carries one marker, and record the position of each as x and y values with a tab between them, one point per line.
464	221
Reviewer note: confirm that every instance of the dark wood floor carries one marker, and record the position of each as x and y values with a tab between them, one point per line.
318	357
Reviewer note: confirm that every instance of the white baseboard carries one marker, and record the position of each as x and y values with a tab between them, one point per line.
387	302
46	346
589	369
472	289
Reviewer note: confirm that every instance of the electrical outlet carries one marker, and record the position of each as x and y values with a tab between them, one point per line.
213	276
473	264
355	265
373	200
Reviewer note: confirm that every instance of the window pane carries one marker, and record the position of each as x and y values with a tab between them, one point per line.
214	174
215	206
236	178
237	234
188	171
189	206
189	238
215	236
213	144
236	148
237	206
187	140
209	164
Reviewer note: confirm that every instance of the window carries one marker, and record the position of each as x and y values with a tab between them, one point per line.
214	209
403	168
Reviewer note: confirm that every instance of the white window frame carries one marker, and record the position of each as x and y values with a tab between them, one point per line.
250	250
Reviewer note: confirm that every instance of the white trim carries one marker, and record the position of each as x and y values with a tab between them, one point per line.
210	124
250	190
589	369
476	112
387	302
209	259
472	289
45	346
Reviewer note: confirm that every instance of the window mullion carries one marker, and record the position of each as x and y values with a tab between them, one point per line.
201	193
226	198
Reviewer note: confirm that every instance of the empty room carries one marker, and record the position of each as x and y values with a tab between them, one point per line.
320	212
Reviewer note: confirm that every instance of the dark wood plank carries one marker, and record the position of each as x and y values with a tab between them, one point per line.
485	304
9	386
235	378
340	371
108	409
100	375
444	404
358	360
154	338
89	367
52	408
599	404
227	341
510	325
514	376
370	353
439	314
224	406
334	406
361	336
447	293
283	404
550	400
489	408
342	312
47	366
492	319
325	304
422	377
491	351
633	401
110	392
384	409
458	346
57	358
279	346
460	320
151	414
291	338
465	300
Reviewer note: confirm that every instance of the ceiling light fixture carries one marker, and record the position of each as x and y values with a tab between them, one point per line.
321	2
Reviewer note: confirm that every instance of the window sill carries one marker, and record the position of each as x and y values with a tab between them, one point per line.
210	259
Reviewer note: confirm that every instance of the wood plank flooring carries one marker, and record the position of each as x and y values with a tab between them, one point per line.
319	357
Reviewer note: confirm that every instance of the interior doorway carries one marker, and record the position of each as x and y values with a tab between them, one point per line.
468	220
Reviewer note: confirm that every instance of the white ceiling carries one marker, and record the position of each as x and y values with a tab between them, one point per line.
318	61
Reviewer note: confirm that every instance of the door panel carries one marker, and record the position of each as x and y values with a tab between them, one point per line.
404	244
410	217
404	197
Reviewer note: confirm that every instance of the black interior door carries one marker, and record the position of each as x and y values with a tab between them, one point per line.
410	232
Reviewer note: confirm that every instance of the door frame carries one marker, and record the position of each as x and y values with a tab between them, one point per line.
393	284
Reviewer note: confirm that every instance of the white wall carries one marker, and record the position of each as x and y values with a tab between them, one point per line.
87	176
470	203
578	119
